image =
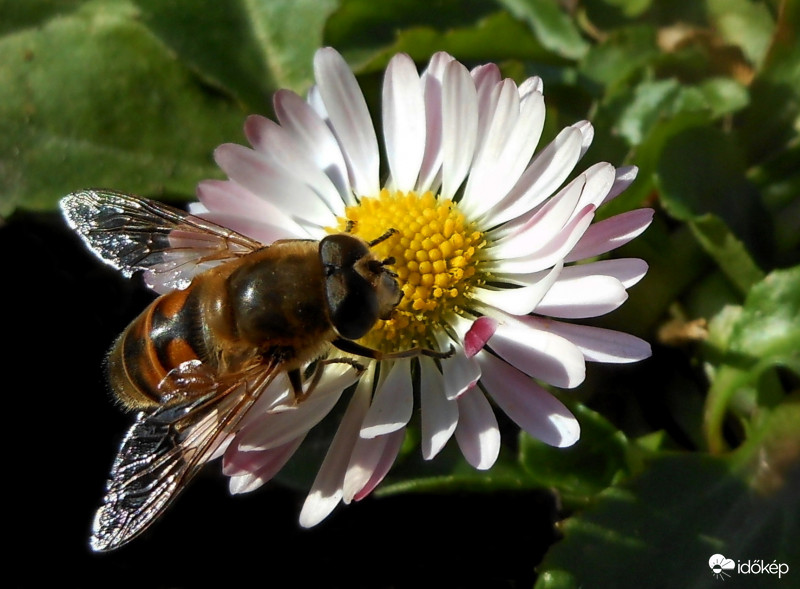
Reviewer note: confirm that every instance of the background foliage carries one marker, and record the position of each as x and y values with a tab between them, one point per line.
691	453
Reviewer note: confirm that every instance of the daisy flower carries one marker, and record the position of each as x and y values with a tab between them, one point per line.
487	239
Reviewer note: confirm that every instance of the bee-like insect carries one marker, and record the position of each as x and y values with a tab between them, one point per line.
199	356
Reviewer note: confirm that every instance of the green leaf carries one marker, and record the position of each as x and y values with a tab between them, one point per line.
92	98
651	102
661	528
701	170
772	121
727	251
450	473
724	96
576	474
580	472
275	41
360	29
765	335
493	38
553	27
622	55
748	25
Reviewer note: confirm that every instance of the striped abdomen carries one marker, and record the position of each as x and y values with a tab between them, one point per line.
168	333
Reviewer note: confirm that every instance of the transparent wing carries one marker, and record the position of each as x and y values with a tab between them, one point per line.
132	233
165	449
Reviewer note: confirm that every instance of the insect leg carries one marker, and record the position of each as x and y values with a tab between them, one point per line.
296	381
352	347
384	237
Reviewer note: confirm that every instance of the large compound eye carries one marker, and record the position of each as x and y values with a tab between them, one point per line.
351	298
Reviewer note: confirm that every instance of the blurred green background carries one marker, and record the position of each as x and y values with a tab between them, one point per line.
691	453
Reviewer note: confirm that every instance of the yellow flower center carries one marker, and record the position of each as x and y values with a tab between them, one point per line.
436	252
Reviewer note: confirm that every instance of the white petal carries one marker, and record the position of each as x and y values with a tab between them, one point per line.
276	394
597	344
372	458
611	233
501	121
531	85
275	429
624	178
403	121
587	134
585	296
250	470
531	232
530	406
315	137
628	271
599	180
548	253
518	301
511	139
541	354
350	119
486	79
393	403
283	424
477	433
544	175
459	126
460	372
432	80
439	415
326	492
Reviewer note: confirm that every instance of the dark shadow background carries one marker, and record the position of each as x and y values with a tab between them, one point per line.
64	309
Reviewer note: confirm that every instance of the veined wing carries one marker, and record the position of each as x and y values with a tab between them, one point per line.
132	233
165	449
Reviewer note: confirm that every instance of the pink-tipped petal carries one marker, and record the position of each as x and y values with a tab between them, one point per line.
349	118
629	271
266	179
279	147
314	136
482	329
371	460
597	344
250	470
611	233
624	177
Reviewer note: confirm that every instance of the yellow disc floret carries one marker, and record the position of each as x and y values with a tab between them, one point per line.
436	252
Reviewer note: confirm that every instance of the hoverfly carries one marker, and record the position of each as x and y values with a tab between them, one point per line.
198	357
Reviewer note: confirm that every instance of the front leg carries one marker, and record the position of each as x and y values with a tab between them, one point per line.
352	347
